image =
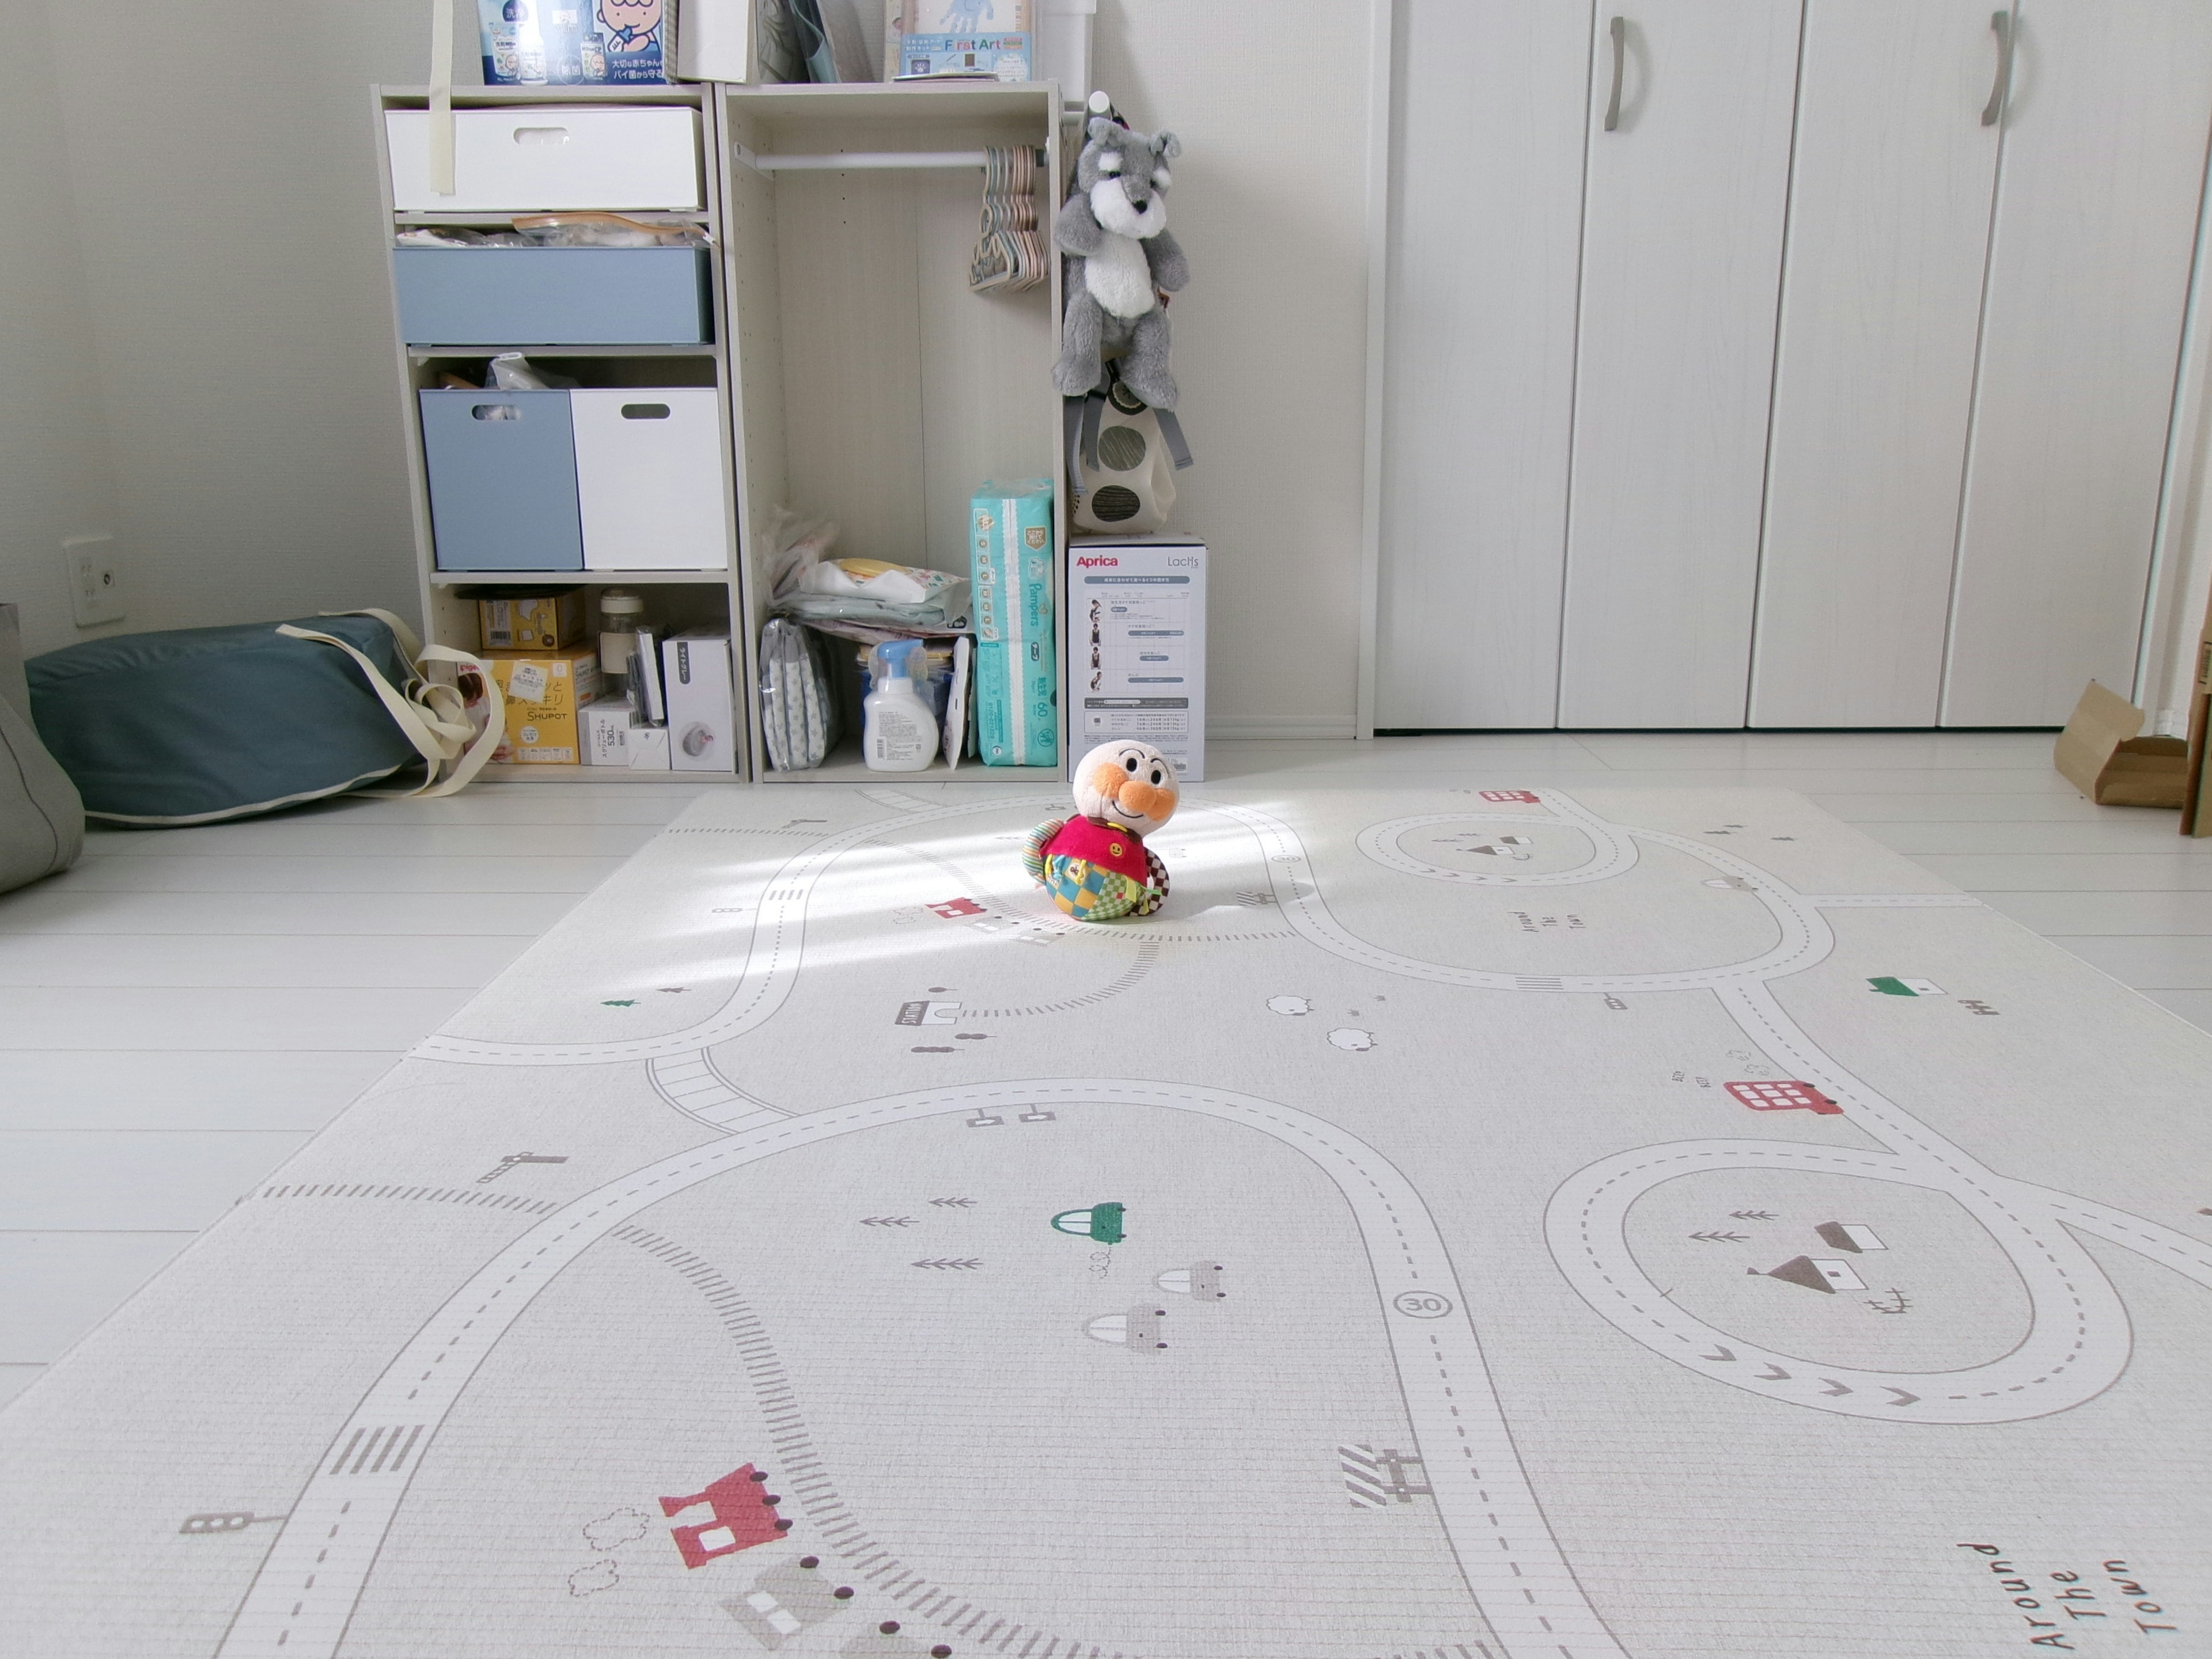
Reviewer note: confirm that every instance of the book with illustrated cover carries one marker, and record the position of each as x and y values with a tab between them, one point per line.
959	40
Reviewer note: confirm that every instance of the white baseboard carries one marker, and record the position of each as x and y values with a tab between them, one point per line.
1279	726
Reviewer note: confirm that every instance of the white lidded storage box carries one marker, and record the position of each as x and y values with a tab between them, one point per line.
525	160
649	465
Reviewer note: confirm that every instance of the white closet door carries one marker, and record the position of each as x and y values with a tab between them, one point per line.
1889	222
2089	257
1487	159
1681	262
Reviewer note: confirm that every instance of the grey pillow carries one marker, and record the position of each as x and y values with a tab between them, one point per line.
41	818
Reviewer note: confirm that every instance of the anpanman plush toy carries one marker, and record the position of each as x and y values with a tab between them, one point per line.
1096	865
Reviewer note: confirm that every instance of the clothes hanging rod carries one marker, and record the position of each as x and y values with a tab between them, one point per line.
859	159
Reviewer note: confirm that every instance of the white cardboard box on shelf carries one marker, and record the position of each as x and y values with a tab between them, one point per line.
649	463
610	739
1136	646
702	726
525	161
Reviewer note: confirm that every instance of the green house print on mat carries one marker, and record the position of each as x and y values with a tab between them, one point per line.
1890	986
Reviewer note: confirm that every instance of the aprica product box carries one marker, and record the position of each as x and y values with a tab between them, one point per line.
1136	646
530	619
1017	704
546	693
1010	561
565	43
947	38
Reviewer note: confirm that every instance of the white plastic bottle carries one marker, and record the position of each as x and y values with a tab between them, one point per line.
902	732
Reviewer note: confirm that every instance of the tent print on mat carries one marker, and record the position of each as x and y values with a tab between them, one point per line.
1891	986
1814	1274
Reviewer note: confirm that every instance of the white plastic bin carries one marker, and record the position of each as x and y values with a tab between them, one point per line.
649	464
523	160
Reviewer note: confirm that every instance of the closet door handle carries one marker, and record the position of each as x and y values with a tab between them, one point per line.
2002	24
1619	54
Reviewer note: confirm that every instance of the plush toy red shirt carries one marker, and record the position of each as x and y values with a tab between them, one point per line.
1111	846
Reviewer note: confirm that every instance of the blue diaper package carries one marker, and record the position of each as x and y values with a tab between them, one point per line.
569	43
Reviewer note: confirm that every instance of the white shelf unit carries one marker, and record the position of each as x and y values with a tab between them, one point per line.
870	386
684	598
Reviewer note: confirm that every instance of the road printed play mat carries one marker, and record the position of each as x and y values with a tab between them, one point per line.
1470	1224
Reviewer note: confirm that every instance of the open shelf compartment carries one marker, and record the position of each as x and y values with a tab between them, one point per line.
871	386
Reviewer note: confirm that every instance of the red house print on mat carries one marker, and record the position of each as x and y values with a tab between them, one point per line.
1525	797
1784	1098
952	909
743	1515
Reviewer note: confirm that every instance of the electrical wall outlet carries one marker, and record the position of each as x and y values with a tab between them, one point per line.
95	583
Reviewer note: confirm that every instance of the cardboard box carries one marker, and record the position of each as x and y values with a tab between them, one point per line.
1010	561
610	739
945	38
529	619
583	44
2197	796
546	693
702	726
1136	646
2099	753
1017	707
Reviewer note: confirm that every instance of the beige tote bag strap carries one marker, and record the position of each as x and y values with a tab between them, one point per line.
437	726
447	701
410	647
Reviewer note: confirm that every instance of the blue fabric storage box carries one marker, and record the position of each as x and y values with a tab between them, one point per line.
540	296
502	472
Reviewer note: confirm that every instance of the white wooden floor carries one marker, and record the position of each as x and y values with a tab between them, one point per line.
183	1010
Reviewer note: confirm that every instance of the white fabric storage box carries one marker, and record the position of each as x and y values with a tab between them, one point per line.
649	464
525	160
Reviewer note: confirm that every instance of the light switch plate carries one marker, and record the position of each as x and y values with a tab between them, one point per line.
95	579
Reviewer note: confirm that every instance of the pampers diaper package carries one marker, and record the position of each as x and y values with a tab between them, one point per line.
1011	558
566	43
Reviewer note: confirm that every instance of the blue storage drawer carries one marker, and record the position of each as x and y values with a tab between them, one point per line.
541	296
502	469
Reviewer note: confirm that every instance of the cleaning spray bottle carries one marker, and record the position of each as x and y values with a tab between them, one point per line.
902	732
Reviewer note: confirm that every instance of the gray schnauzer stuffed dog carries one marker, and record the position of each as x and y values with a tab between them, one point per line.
1115	227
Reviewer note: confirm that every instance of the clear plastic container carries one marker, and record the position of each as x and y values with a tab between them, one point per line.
621	614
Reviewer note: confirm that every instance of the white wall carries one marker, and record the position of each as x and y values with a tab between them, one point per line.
2171	671
220	165
54	478
219	159
1270	338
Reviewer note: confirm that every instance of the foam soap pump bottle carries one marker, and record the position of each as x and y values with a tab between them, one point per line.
902	732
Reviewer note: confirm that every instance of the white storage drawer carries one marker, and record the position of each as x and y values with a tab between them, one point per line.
523	160
649	467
